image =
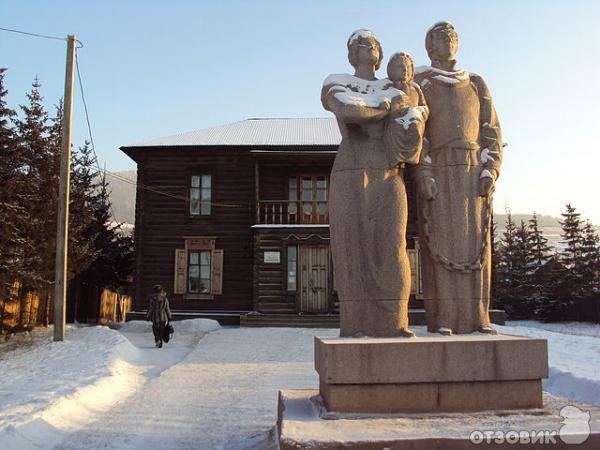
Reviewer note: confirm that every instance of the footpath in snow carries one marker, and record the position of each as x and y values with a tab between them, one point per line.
210	388
49	389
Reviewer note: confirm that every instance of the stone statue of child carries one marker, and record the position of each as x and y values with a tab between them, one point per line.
403	134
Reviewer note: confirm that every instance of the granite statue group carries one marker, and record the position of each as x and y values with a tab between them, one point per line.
439	123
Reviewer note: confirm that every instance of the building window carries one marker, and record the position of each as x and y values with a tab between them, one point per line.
307	196
199	272
292	267
293	196
321	190
200	195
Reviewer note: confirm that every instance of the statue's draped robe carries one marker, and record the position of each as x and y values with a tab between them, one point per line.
464	143
368	215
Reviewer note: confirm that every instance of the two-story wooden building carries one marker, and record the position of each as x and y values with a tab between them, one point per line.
235	218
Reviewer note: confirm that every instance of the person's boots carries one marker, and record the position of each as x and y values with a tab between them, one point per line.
158	344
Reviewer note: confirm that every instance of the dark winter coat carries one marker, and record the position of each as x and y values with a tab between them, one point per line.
158	308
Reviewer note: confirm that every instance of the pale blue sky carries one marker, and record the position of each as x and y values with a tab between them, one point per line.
155	68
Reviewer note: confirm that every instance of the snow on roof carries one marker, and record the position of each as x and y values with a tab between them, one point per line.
257	132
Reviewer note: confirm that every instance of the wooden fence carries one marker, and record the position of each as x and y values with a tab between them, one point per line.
85	304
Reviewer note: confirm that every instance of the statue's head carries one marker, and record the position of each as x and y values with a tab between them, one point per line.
401	68
441	42
363	47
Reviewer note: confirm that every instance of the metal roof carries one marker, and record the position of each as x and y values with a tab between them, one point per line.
317	131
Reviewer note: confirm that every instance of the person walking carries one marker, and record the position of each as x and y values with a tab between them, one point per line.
158	312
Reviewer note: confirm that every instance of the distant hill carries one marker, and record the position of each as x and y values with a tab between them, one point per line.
548	225
122	195
543	220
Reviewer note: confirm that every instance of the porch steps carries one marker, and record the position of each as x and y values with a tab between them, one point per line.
416	317
290	320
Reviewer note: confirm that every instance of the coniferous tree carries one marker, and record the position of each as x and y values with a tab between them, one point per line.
590	249
555	302
541	255
520	286
114	248
505	275
572	254
33	137
565	290
82	251
524	263
541	251
14	215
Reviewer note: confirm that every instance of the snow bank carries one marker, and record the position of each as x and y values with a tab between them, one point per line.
573	350
50	387
573	328
180	326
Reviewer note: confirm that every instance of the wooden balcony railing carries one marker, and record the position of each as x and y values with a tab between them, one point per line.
290	212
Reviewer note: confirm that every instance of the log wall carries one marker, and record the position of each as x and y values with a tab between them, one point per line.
163	219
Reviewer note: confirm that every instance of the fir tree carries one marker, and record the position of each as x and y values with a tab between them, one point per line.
542	272
538	244
565	289
505	275
590	253
555	301
12	204
82	251
572	235
114	249
572	255
38	163
522	288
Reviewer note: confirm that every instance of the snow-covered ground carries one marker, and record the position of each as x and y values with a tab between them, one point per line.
209	388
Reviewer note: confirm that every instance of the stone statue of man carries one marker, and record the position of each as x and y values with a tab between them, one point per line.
455	182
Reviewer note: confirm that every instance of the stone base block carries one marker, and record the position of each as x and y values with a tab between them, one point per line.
411	397
304	423
431	373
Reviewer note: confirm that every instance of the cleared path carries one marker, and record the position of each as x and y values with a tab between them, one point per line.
221	395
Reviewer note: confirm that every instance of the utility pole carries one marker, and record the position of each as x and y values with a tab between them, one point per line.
62	222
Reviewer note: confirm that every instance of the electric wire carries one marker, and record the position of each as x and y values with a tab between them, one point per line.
126	180
89	127
45	36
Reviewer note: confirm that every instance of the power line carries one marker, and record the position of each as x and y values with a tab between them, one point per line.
89	127
45	36
140	185
85	108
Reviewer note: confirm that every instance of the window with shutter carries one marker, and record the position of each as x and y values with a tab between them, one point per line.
180	271
199	268
217	272
199	273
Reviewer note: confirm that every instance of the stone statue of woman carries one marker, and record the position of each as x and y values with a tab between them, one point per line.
456	181
367	203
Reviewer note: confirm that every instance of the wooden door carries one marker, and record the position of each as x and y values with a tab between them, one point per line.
314	276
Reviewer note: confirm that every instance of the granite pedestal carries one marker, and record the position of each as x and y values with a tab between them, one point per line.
304	423
431	373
